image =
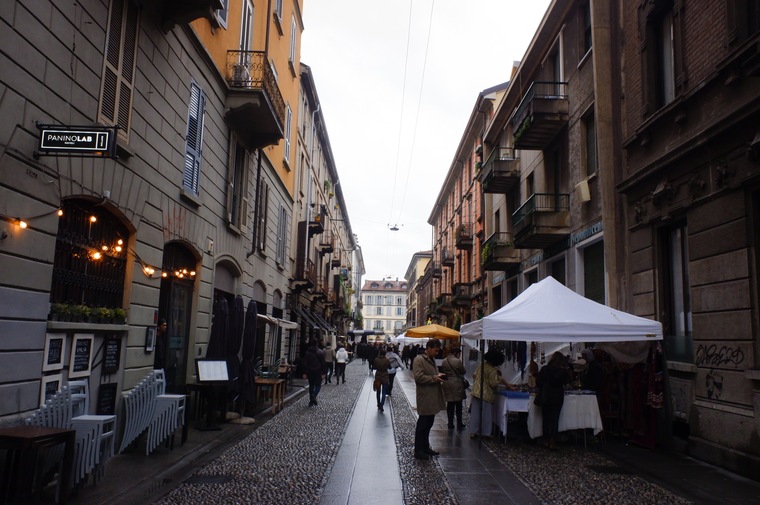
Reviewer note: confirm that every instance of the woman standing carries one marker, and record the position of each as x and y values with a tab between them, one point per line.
551	384
381	366
481	408
453	388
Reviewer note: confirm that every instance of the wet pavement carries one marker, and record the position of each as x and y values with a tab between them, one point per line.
344	451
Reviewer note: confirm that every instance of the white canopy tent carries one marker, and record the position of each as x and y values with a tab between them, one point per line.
549	312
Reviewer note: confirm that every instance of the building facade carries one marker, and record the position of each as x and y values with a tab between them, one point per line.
190	200
384	307
622	160
414	275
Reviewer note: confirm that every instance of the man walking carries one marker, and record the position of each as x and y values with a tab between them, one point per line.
341	358
315	370
430	398
329	360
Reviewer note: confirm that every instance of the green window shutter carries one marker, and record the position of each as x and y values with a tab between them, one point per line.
194	141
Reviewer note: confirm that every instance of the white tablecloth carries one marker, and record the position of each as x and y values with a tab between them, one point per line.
578	412
502	406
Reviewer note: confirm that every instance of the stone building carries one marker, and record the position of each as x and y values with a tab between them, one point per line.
181	192
384	307
414	274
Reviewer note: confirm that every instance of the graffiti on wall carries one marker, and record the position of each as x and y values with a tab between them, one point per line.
724	356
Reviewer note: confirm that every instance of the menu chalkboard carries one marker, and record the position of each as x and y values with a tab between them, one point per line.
106	400
112	356
55	351
81	355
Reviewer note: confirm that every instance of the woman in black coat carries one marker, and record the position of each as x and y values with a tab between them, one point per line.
551	381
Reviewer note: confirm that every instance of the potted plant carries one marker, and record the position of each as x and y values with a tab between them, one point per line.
119	316
105	314
80	313
58	311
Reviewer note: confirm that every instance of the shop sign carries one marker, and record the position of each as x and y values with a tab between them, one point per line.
62	140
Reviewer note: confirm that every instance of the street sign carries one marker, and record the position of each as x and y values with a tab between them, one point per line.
63	140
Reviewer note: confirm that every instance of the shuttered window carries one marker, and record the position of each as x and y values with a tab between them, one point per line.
119	66
237	187
558	271
194	139
593	272
288	126
262	207
282	235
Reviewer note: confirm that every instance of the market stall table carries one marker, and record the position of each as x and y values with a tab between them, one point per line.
579	411
506	402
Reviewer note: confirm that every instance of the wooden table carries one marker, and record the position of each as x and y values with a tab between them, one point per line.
21	481
278	391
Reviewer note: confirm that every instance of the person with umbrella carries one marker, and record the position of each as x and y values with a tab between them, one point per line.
315	370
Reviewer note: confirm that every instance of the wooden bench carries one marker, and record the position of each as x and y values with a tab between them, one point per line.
148	409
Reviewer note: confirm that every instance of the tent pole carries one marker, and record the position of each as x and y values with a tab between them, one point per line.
482	380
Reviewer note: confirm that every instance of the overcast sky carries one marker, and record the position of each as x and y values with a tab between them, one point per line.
397	82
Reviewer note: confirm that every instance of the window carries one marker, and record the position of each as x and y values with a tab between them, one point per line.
593	272
221	14
743	20
586	35
378	311
262	211
677	311
117	88
558	271
368	300
246	26
589	143
237	187
399	300
288	124
194	139
293	40
278	9
399	311
282	235
84	272
662	68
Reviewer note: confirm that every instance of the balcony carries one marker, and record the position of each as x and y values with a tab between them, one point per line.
447	257
542	113
255	109
326	242
463	293
183	11
335	262
542	220
444	303
317	223
305	276
499	253
464	236
432	270
501	171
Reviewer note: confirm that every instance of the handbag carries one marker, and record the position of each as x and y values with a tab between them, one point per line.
465	383
376	385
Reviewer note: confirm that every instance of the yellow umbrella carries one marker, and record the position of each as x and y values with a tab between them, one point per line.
432	331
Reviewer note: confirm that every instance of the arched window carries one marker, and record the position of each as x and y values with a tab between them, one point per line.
90	256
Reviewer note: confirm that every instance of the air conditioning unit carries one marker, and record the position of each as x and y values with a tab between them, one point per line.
240	75
582	191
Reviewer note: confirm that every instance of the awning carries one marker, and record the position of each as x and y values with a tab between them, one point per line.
321	320
276	321
301	311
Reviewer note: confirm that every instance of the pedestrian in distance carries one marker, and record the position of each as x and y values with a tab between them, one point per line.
485	386
341	358
381	366
453	388
315	370
430	398
329	362
372	352
396	365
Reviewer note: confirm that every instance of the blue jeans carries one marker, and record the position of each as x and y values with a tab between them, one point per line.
380	393
315	384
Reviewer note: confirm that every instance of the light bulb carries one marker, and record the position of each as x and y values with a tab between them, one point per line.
164	274
93	219
105	248
96	255
192	273
117	248
60	212
120	242
22	224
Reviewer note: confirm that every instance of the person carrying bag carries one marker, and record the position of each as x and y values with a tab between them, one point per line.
454	387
